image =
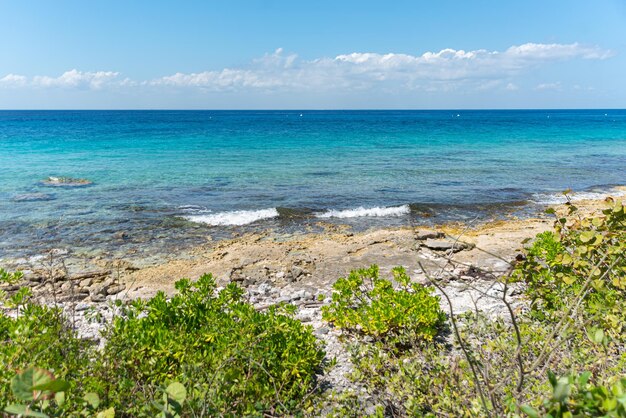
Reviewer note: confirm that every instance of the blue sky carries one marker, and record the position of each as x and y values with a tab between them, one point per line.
316	54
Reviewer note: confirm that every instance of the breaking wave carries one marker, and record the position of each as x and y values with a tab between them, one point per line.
362	212
237	217
558	198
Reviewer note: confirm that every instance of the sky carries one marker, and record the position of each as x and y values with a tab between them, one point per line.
275	54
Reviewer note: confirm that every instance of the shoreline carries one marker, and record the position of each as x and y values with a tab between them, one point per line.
300	269
312	260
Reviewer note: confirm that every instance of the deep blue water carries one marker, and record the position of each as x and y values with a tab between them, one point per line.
162	177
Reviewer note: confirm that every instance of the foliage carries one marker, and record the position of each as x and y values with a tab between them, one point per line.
365	302
574	396
205	352
39	335
584	256
574	277
200	352
42	395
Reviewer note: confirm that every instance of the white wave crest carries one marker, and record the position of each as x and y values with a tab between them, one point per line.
361	212
238	217
559	198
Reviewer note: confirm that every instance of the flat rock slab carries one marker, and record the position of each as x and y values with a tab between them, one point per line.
424	234
445	245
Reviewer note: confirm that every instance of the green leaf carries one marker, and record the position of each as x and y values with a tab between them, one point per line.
177	392
598	336
566	260
24	411
584	378
59	397
16	409
23	384
530	411
587	236
56	385
108	413
92	399
562	389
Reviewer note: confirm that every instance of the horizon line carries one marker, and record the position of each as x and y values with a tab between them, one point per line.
302	109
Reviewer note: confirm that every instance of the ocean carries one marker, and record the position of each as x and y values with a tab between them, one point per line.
162	181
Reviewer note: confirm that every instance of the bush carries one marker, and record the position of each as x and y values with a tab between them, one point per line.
573	396
400	360
584	258
233	359
365	303
32	333
230	359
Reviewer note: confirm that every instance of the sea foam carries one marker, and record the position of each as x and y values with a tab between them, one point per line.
362	212
238	217
559	198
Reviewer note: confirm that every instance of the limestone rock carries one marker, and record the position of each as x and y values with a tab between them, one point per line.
424	234
445	245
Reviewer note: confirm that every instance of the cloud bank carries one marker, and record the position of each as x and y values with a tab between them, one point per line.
430	71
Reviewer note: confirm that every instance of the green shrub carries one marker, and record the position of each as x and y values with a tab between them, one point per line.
234	360
585	256
39	335
401	363
365	303
230	359
573	396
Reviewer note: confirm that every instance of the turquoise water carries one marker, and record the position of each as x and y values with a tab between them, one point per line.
170	178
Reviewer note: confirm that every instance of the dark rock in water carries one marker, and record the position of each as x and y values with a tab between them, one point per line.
65	182
32	197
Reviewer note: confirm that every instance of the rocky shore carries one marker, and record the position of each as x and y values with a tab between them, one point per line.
299	269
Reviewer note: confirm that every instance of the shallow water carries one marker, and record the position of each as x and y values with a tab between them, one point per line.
164	180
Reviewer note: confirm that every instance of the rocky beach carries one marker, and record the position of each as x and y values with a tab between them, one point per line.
300	269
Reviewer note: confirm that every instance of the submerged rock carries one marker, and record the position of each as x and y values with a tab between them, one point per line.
33	197
65	182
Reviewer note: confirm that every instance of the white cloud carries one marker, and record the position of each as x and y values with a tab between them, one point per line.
448	69
13	80
512	87
77	79
549	86
557	51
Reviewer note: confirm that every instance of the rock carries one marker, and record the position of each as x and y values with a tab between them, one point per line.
121	235
86	282
424	234
322	331
296	271
33	197
67	286
65	182
236	275
283	299
300	294
98	297
98	289
445	245
115	289
71	298
264	289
